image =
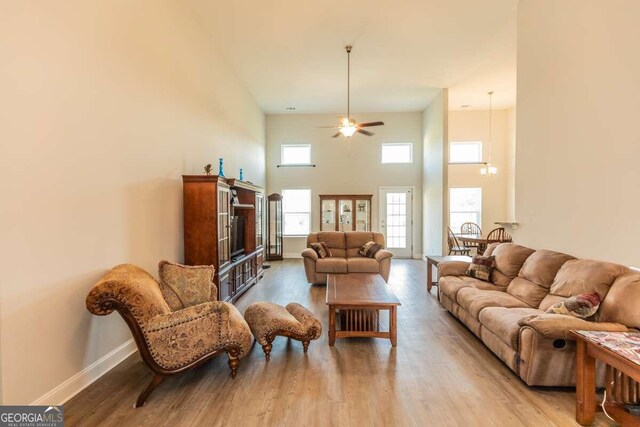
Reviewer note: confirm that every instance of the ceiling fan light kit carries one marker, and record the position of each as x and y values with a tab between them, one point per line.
347	126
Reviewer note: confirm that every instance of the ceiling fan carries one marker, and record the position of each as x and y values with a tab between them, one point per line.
348	126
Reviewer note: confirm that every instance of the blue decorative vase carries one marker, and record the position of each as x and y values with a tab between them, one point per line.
241	175
221	167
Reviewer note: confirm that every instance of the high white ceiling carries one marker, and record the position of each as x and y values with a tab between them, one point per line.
290	53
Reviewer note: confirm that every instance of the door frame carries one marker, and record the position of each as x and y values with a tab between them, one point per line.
382	204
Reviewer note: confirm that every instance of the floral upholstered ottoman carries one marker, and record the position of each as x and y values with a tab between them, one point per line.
268	320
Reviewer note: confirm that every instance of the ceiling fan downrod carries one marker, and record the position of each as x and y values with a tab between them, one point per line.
348	49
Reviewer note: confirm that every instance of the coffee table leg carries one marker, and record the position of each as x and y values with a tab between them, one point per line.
332	326
585	385
429	276
393	326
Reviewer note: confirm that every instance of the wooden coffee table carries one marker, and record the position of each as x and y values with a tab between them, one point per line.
355	301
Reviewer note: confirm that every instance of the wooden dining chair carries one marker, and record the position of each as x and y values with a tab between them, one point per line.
499	235
454	246
470	228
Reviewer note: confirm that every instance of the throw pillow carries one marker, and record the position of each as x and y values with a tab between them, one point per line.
580	306
481	267
369	249
326	249
183	286
320	249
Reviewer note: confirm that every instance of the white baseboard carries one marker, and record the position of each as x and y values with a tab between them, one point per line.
417	256
291	255
74	385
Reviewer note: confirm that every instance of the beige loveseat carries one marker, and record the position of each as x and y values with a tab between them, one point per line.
509	316
345	258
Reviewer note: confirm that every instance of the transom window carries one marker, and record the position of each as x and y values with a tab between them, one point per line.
296	209
465	205
295	154
465	152
397	153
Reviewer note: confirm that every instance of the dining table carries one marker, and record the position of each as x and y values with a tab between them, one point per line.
473	240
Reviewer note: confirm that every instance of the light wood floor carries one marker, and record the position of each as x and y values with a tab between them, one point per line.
439	375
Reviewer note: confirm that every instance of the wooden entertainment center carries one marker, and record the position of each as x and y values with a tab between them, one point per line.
209	207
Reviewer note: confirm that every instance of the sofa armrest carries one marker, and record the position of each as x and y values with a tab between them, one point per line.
382	254
558	326
310	253
452	268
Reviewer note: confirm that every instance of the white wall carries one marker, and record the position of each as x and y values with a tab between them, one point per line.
474	126
577	162
434	176
103	108
344	166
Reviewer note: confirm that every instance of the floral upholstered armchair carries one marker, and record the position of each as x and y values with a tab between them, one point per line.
170	338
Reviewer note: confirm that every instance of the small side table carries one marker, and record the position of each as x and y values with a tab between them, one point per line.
434	260
619	351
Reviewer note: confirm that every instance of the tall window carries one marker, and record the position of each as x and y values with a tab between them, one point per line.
465	205
465	152
295	154
397	153
296	209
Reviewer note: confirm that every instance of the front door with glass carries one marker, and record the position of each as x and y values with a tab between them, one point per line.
396	206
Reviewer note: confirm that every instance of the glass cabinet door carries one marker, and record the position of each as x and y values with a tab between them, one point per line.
328	221
363	211
224	226
345	214
259	220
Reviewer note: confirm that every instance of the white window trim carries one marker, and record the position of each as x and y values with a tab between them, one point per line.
475	142
479	212
282	147
282	190
410	144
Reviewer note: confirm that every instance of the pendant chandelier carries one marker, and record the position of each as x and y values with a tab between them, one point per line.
488	169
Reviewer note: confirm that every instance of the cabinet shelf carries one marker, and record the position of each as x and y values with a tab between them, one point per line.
243	206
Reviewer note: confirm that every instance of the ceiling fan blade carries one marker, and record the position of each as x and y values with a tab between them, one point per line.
365	132
364	125
336	135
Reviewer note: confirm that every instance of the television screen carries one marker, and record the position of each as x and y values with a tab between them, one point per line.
237	235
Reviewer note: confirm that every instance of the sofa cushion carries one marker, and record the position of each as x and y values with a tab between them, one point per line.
509	260
450	285
331	265
362	265
536	275
475	300
622	304
503	322
542	266
527	291
335	240
581	276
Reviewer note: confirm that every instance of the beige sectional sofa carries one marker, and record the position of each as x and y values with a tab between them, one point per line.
345	258
509	314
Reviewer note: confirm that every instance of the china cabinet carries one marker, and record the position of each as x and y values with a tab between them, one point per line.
223	227
345	212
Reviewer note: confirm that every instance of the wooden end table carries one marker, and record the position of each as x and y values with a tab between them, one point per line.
619	351
434	260
355	300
